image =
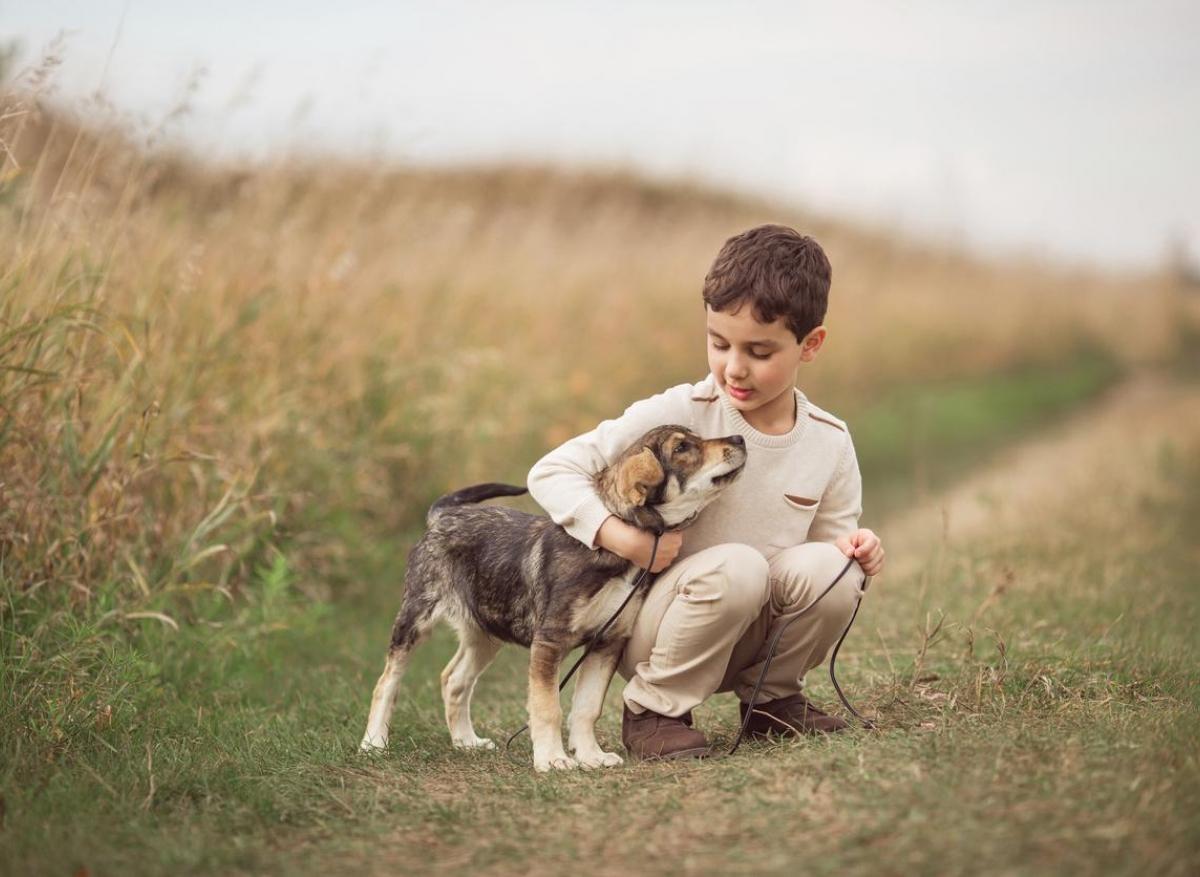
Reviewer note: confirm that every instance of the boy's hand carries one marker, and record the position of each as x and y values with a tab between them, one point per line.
864	546
635	545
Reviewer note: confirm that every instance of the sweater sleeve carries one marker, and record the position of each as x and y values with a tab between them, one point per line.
562	482
841	503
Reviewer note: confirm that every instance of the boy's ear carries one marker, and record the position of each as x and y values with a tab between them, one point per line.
637	476
811	344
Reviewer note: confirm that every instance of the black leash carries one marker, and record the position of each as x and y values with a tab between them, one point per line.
595	640
867	723
599	635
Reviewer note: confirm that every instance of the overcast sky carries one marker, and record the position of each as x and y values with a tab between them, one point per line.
1067	129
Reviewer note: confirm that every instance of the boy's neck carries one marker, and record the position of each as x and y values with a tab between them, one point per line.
777	417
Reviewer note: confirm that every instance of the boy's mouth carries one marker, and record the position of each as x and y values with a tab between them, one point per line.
738	392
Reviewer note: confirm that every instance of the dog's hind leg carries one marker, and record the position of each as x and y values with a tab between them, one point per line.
383	699
411	628
476	650
595	674
545	712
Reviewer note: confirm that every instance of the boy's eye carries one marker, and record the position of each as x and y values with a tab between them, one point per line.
753	355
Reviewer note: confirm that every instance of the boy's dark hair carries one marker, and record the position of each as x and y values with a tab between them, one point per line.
778	271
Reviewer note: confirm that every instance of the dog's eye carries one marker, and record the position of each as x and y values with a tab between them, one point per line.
683	447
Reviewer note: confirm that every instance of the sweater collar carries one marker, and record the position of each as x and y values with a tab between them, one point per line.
752	435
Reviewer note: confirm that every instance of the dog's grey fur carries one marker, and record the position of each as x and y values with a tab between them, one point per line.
499	575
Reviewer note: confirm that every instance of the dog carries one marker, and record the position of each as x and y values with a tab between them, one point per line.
498	575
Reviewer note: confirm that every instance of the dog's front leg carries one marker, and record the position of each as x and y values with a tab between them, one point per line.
545	713
594	677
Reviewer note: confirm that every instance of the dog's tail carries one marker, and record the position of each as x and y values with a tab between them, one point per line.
473	494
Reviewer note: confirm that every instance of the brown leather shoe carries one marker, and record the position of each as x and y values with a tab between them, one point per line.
649	736
791	716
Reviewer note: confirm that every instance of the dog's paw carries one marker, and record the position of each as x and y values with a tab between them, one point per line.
372	744
474	743
599	758
561	761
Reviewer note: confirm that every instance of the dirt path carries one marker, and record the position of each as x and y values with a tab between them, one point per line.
1102	449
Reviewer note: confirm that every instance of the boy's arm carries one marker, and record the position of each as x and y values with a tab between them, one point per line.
562	481
841	504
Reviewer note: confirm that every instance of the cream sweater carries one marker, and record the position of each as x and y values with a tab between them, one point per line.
803	486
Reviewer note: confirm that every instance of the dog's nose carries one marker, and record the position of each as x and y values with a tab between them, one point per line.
737	440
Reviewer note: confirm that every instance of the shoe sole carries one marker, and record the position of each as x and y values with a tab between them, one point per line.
700	752
784	733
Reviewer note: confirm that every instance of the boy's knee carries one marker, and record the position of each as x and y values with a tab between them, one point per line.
832	561
737	584
802	573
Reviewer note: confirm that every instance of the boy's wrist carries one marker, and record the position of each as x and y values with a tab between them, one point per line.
616	536
607	536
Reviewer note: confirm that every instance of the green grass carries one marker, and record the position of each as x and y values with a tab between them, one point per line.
1055	732
919	438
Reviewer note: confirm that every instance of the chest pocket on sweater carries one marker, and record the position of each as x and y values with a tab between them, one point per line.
798	511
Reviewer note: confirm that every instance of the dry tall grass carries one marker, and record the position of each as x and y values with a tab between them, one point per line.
197	363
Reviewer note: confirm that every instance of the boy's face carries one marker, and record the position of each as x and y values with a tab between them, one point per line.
755	363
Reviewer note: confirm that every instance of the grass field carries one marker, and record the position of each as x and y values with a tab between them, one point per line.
1036	689
226	396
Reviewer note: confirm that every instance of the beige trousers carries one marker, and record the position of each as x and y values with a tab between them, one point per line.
707	621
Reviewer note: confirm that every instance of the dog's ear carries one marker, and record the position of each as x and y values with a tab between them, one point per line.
637	476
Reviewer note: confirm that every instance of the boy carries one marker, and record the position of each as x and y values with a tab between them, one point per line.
776	538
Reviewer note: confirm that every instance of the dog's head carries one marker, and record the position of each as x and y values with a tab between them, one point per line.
666	477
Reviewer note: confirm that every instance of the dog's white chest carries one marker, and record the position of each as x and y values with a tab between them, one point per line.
679	505
592	614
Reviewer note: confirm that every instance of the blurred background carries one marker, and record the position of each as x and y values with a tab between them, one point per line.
1005	127
275	275
303	267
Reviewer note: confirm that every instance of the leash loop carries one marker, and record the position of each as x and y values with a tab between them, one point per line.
867	723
